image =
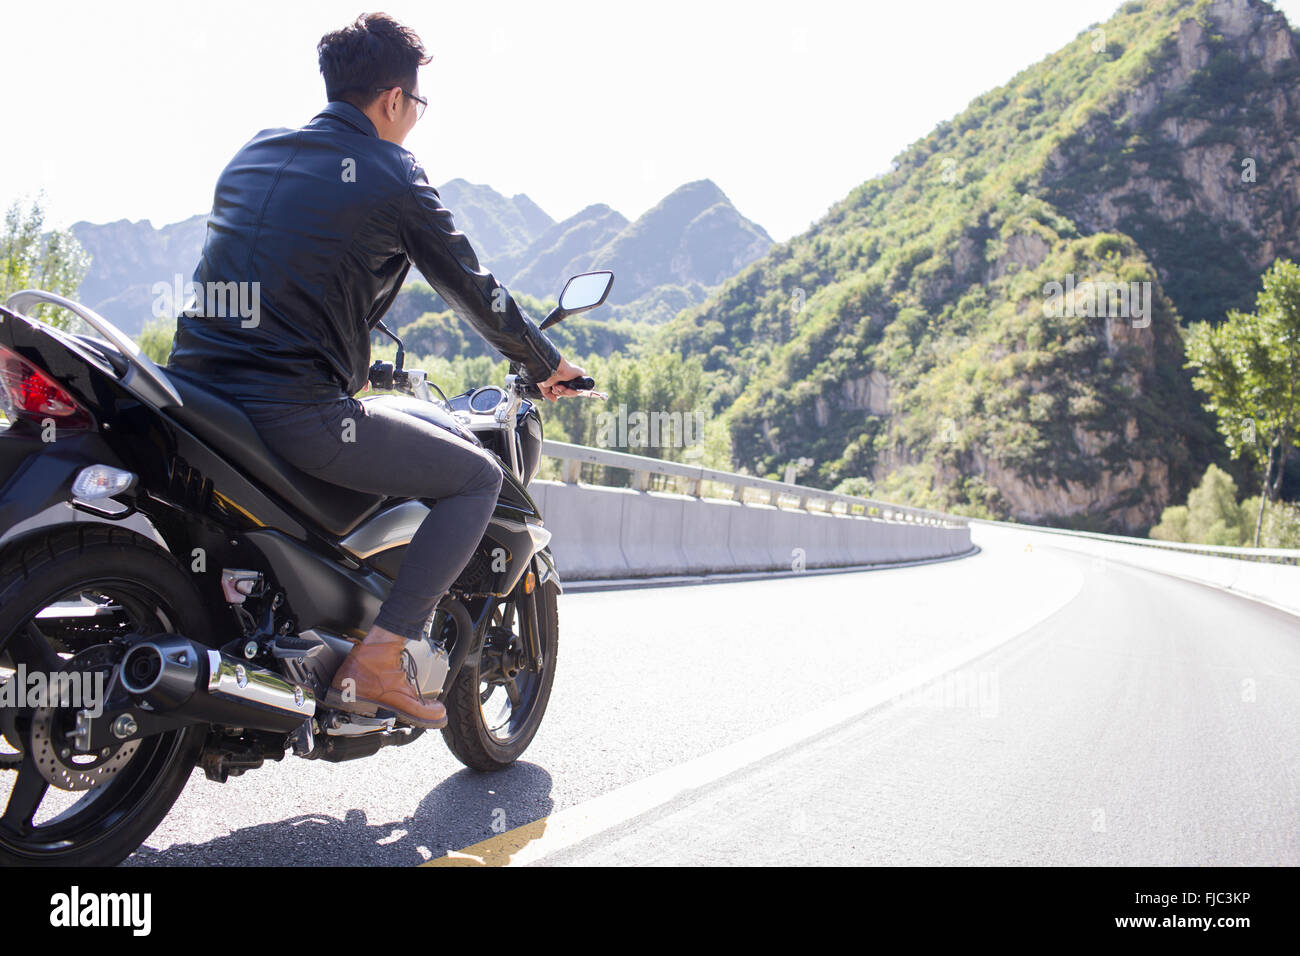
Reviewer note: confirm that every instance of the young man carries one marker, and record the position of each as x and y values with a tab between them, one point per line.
327	220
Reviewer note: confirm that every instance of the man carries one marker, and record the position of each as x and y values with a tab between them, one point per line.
324	222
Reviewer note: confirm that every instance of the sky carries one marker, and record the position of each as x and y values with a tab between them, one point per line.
131	109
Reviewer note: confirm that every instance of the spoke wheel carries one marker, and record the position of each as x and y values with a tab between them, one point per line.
509	681
63	599
495	708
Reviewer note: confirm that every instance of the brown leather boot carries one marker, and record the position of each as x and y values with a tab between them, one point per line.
382	682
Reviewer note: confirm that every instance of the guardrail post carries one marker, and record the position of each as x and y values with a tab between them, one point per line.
572	471
641	480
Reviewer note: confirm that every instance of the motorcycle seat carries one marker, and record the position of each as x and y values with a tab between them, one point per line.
222	423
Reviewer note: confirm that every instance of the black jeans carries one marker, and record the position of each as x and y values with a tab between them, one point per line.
383	451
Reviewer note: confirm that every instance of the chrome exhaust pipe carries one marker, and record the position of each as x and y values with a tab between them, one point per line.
174	675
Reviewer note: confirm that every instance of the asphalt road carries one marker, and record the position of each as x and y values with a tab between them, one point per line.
1014	707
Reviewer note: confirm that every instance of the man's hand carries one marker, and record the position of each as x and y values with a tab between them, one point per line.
551	389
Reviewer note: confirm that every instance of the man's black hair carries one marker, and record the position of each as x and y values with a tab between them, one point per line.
373	53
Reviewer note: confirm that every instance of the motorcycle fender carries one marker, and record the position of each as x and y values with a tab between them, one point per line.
43	480
512	540
546	570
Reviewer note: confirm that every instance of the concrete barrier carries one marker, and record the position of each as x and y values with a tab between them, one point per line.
606	533
585	522
749	538
602	533
795	536
651	533
847	533
705	528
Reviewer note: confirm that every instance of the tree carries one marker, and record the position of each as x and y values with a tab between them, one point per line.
1211	515
32	258
156	339
1249	366
438	333
858	485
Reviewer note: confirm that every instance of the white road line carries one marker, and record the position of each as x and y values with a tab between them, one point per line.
571	826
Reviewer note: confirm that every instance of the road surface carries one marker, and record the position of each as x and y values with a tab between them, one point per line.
1020	706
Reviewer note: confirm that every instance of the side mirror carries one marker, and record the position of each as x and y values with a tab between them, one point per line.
581	293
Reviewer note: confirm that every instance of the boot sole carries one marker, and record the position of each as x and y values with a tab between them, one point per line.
364	707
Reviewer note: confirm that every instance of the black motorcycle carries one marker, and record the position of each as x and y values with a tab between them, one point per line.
172	593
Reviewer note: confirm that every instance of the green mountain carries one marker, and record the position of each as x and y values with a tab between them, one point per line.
127	259
667	260
499	227
694	234
554	255
938	333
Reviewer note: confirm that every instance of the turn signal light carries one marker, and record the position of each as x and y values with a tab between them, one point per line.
101	481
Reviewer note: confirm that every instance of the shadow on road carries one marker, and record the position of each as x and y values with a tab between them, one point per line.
466	808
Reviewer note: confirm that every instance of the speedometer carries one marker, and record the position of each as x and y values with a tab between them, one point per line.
486	399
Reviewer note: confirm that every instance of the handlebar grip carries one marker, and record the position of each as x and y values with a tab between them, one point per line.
530	389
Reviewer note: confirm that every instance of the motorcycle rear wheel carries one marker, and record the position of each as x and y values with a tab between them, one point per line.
59	595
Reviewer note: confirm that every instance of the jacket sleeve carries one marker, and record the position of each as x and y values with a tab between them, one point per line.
445	257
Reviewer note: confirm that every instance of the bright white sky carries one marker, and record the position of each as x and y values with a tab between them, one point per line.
131	109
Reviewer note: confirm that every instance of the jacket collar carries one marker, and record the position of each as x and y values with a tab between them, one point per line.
349	114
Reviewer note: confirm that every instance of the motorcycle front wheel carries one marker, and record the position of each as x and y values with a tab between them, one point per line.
495	707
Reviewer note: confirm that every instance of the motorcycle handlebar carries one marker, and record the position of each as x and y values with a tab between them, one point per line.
530	390
384	377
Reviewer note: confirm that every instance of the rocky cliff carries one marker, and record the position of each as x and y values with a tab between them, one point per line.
994	325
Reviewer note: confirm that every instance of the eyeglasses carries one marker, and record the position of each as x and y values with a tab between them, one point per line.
420	101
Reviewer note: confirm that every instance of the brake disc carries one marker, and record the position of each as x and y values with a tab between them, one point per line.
55	758
51	743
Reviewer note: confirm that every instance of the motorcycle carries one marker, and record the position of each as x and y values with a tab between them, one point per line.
172	594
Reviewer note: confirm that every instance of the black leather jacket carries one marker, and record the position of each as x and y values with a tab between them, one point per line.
327	220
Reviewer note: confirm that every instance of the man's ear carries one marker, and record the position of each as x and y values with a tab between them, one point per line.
392	104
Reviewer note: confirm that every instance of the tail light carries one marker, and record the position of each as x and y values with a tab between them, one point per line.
27	392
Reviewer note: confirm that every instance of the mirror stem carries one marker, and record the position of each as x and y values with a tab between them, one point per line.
401	349
555	315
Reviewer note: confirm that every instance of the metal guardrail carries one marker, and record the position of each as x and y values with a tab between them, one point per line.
1270	555
767	491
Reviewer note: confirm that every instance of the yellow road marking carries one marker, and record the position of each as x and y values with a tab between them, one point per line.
496	851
